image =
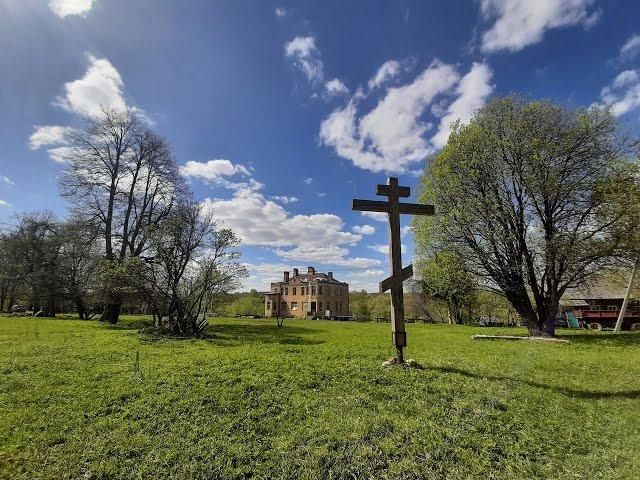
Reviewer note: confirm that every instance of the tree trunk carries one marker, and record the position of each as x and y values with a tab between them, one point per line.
80	308
549	327
12	298
35	302
49	309
111	313
534	328
452	313
3	298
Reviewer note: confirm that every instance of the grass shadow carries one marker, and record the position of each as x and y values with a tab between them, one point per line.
245	333
569	392
231	334
129	324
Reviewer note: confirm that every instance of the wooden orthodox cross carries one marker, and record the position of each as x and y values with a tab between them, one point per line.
394	208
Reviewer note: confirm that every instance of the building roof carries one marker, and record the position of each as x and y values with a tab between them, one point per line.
595	292
316	277
312	277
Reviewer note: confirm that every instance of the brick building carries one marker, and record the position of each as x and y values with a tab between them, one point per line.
310	294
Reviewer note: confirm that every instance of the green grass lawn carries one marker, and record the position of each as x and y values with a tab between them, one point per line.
311	400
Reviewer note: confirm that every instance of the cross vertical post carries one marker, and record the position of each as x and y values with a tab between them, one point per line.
399	336
394	208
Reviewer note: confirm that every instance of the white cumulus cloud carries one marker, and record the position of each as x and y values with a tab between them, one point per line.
364	229
6	180
386	72
100	87
623	94
285	199
63	8
44	135
306	57
472	91
281	12
326	254
519	23
335	87
383	248
631	48
318	238
61	154
377	216
212	170
393	135
259	221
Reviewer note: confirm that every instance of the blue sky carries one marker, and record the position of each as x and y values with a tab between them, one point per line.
280	113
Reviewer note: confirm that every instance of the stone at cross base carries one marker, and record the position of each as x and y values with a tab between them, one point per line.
394	208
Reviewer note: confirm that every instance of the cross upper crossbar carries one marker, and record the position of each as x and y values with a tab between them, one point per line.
382	206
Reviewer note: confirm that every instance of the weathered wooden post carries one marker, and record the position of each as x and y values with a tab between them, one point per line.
394	208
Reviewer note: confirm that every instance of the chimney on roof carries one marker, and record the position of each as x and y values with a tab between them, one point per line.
311	270
295	272
286	276
330	275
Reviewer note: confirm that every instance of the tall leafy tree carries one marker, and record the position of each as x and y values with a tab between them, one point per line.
536	196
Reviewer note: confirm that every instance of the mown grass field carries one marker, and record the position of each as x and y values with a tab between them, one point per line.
310	400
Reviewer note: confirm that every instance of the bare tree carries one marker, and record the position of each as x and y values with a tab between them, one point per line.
123	179
11	278
80	260
35	245
192	263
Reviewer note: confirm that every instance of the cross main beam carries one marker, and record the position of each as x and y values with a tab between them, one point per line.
394	208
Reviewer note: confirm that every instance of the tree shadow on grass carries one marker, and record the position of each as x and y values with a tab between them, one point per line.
230	335
244	333
569	392
129	324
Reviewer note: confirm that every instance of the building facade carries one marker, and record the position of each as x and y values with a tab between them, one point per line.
312	294
601	305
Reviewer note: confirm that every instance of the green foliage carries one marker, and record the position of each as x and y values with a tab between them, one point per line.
311	400
360	304
119	280
445	276
370	305
244	303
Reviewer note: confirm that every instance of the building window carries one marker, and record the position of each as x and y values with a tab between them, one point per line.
283	306
301	290
305	306
294	290
319	289
313	290
286	290
320	306
268	305
294	306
